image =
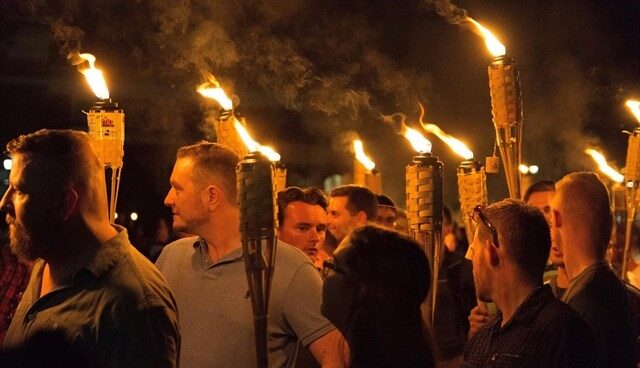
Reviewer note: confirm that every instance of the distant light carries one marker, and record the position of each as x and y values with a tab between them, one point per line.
116	215
7	163
524	169
533	169
134	216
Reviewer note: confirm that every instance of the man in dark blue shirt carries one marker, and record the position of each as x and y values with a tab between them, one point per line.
532	328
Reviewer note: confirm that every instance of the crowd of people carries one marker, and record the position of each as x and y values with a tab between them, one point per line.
349	286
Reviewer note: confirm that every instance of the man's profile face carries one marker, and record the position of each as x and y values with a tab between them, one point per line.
304	226
340	221
386	216
29	210
542	201
187	199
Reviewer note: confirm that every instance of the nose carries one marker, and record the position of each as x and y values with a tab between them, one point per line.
168	200
5	203
315	235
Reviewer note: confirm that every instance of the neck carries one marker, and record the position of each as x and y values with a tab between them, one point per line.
511	292
562	279
76	247
578	255
222	233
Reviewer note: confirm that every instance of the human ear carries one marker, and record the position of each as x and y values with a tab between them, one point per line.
67	203
494	257
214	196
361	218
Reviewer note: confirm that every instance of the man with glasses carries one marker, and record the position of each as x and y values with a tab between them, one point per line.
581	224
531	328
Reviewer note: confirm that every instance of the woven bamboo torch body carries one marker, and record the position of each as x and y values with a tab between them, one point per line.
632	181
506	108
227	134
371	179
424	215
472	187
258	223
279	177
106	128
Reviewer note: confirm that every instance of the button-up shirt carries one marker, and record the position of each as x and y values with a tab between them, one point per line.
14	276
116	311
543	332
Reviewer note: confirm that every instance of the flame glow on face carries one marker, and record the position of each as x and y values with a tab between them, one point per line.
454	143
604	166
361	156
495	47
635	108
253	146
417	140
94	77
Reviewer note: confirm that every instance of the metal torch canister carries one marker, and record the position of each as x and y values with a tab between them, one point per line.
371	179
424	216
106	128
632	181
227	134
506	108
472	187
258	223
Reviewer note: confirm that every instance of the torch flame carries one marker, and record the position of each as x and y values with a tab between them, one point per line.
361	156
254	146
212	89
495	47
94	77
604	166
417	140
635	108
454	143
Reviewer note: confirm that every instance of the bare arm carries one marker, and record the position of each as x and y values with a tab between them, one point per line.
331	350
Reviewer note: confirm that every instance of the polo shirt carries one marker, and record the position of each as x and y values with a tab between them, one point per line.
543	332
117	311
216	318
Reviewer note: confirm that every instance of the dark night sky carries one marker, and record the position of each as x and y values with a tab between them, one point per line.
309	71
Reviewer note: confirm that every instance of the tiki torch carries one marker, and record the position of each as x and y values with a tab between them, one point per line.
506	106
258	223
231	129
424	203
632	181
105	121
618	200
364	172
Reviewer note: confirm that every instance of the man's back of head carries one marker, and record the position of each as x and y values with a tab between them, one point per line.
523	233
582	200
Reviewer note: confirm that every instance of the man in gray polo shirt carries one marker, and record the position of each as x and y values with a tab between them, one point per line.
207	275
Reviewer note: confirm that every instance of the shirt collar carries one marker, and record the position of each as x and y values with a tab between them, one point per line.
107	256
201	245
530	307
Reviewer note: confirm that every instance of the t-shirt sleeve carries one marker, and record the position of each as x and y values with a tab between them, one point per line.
302	305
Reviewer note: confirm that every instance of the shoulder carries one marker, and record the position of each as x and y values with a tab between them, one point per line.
175	251
290	255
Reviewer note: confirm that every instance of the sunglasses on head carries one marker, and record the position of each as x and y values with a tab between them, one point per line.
478	215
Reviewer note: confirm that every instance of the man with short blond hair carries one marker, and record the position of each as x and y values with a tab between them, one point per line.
581	226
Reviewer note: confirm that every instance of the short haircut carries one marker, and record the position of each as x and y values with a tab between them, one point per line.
389	263
358	199
583	200
385	201
68	156
213	162
539	186
523	233
309	195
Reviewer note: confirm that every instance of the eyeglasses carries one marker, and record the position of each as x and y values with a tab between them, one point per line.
478	214
329	264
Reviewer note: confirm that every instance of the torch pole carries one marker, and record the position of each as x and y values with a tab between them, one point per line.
424	215
506	108
106	129
632	181
258	223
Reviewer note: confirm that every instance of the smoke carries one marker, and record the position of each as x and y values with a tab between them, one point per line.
446	9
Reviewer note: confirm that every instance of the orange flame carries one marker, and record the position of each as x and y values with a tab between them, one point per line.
213	90
604	166
495	47
361	156
417	140
635	108
454	143
94	76
253	146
